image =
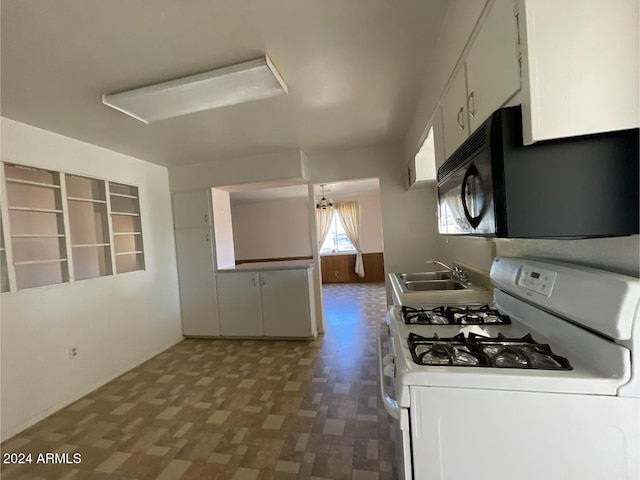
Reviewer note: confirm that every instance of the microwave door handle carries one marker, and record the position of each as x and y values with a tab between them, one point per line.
472	171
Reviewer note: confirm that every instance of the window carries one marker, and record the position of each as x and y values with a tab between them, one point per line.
337	240
62	228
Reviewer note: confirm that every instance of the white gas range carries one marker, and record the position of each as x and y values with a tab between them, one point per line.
543	383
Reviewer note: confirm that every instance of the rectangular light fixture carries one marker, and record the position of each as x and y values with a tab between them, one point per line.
240	83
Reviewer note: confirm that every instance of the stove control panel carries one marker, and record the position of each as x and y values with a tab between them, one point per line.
537	280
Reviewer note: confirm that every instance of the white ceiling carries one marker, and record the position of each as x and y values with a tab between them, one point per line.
354	70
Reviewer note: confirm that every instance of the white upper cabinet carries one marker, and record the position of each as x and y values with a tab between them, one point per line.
192	209
422	168
493	66
455	117
581	67
488	78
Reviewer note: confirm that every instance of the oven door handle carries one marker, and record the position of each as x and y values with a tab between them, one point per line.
390	404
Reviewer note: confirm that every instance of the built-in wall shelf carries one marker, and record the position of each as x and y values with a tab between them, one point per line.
127	236
64	227
39	262
123	195
33	184
42	210
38	235
125	214
90	200
81	245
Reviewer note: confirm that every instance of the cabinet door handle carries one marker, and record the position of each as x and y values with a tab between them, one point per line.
460	118
471	102
262	281
206	236
206	218
253	281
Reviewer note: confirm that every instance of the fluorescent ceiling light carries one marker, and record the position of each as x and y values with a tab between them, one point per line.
218	88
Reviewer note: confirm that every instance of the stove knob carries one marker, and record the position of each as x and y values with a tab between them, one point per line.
388	359
389	370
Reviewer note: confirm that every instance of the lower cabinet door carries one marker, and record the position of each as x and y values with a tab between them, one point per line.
239	304
285	303
197	282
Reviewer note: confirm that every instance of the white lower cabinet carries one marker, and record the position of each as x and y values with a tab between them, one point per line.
273	303
239	304
197	282
286	308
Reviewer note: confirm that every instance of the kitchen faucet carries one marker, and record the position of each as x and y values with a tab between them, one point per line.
457	272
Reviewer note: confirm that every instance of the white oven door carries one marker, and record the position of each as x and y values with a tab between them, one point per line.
386	370
460	433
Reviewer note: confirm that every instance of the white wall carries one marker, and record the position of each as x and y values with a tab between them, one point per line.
274	229
222	227
115	322
409	222
281	166
620	254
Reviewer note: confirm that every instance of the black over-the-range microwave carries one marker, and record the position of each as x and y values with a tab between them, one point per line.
577	187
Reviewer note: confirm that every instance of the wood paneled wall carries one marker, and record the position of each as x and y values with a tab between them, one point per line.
341	268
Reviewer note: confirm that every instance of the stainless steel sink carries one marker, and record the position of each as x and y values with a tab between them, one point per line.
441	275
431	285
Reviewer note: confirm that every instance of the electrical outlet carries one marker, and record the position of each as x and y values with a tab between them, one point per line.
73	352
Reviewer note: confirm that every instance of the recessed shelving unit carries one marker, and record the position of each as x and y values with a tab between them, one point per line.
38	240
89	226
127	229
61	228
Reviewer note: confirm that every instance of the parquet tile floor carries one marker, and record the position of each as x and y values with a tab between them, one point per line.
234	409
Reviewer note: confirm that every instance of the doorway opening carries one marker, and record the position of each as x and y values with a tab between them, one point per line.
349	231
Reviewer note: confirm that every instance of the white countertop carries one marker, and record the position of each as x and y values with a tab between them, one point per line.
262	266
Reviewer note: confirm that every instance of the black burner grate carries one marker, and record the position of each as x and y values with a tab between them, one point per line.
484	315
480	351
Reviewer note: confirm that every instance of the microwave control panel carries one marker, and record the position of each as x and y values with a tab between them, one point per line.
537	280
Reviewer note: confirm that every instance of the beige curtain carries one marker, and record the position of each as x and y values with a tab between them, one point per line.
349	213
323	222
